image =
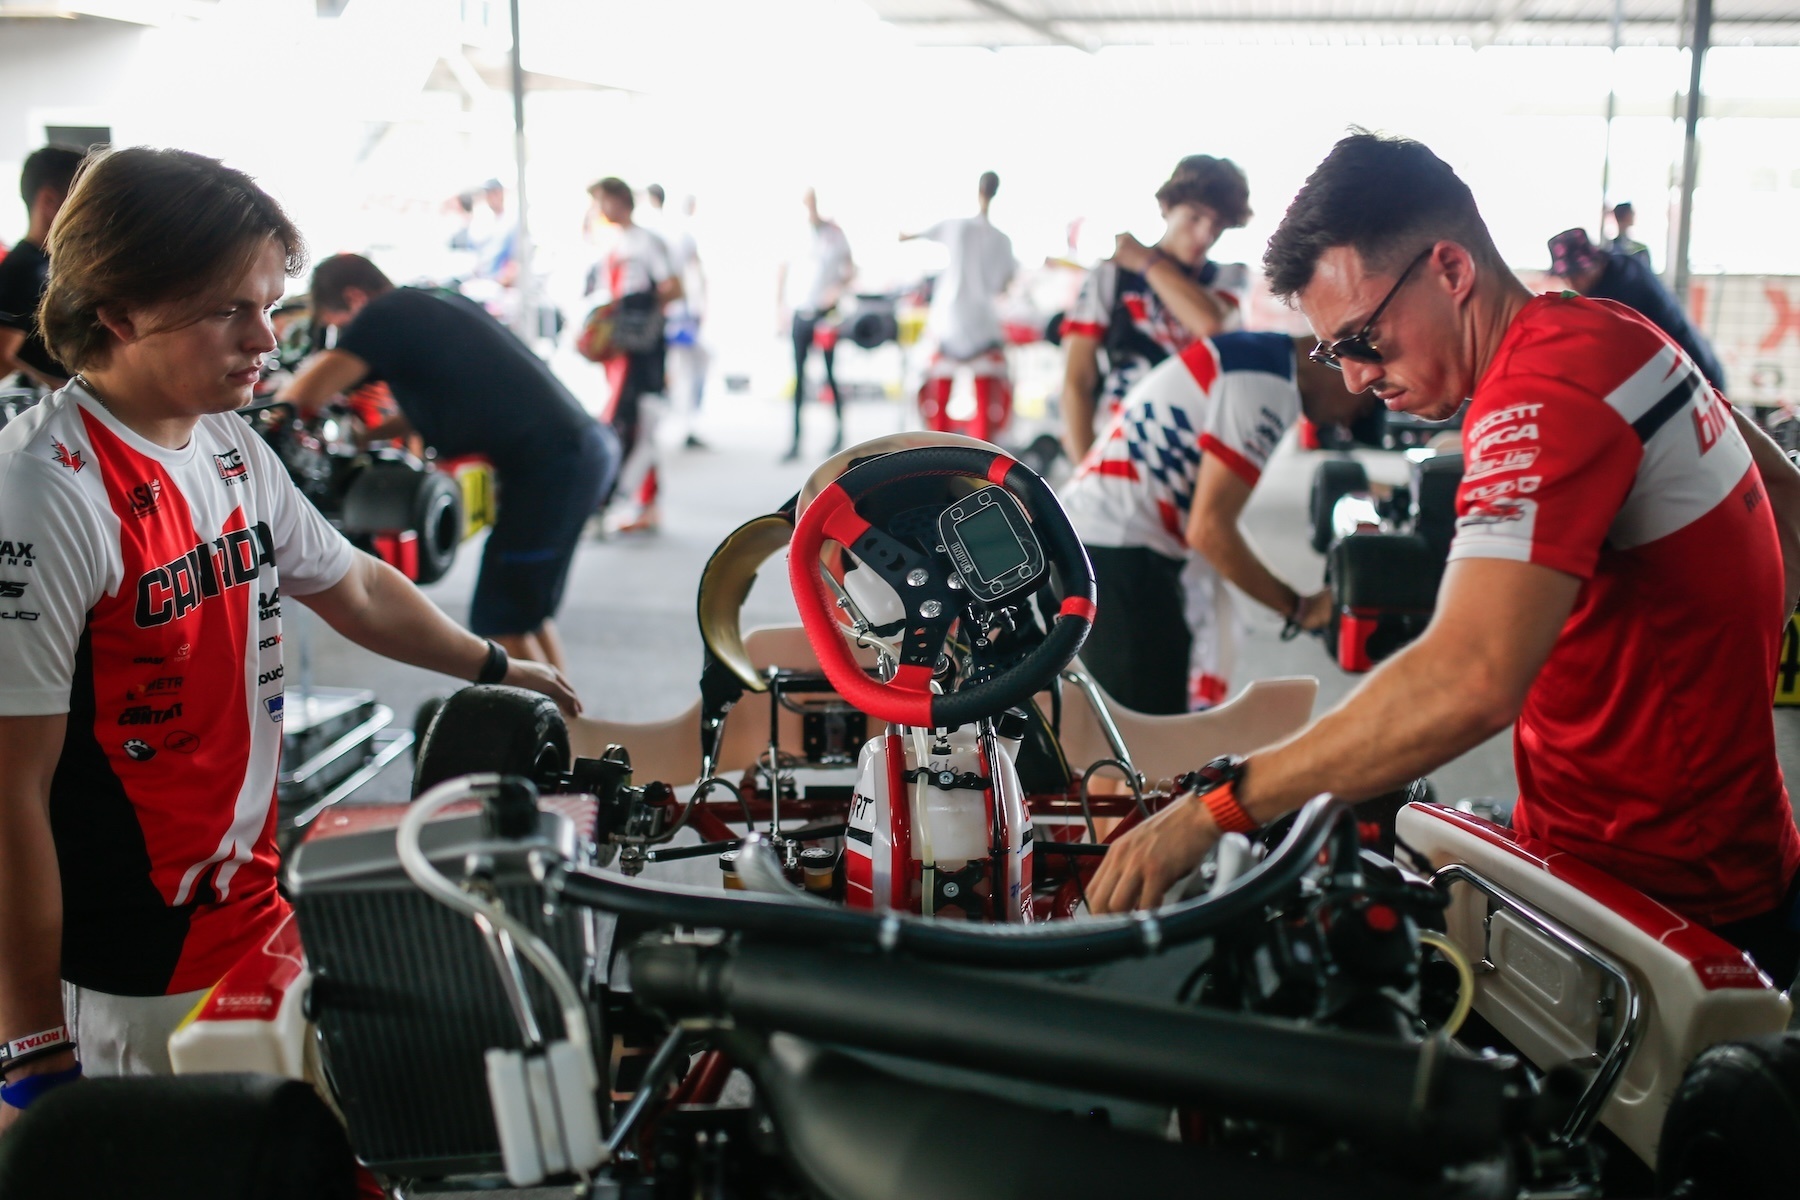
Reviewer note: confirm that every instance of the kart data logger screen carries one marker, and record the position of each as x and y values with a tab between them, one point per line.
991	543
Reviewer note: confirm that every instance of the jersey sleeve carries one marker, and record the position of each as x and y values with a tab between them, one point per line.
937	233
52	573
1546	468
310	555
658	261
1250	413
1092	309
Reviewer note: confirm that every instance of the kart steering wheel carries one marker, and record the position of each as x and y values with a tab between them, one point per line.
931	591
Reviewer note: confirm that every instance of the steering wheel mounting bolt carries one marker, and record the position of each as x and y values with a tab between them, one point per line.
917	577
930	609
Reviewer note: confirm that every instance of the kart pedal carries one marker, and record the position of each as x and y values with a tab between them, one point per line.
545	1112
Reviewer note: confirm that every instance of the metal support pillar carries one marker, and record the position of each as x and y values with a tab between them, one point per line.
1690	150
525	321
1612	110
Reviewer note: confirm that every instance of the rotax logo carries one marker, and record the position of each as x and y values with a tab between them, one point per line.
17	554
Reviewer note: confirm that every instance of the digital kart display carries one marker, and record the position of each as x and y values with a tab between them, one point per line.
991	543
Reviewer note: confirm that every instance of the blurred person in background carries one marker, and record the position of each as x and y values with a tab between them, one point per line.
810	284
688	360
1624	217
495	238
964	323
633	274
467	385
25	271
1148	302
1158	502
1626	279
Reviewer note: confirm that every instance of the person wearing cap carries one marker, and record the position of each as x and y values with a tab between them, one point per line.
1624	217
1602	274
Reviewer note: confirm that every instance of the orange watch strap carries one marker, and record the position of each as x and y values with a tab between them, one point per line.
1222	803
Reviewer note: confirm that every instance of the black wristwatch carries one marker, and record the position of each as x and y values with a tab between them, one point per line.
494	669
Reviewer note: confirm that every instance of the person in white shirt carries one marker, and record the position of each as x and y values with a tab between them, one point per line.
810	285
964	323
633	269
688	360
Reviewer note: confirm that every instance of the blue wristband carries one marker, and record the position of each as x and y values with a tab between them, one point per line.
22	1093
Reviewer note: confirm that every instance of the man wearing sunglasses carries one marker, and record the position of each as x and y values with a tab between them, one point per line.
1627	552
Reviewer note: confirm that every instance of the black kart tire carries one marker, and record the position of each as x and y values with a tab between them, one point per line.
183	1137
1335	478
390	496
1733	1128
438	520
504	729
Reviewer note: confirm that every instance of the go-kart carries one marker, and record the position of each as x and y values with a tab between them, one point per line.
502	978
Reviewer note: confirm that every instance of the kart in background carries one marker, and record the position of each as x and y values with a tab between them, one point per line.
502	977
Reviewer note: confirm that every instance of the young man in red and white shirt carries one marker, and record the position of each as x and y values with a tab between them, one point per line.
1627	554
1157	501
147	538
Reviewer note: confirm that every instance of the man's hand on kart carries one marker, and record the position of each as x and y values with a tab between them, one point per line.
1314	611
543	678
1154	857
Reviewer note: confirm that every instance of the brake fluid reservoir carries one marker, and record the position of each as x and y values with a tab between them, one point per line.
950	824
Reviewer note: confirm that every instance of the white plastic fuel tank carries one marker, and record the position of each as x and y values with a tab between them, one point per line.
940	823
253	1018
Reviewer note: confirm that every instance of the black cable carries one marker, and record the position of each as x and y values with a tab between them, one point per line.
1025	945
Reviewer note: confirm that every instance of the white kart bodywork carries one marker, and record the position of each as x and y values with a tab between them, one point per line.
1574	967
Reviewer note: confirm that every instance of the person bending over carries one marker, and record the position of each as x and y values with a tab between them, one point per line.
1626	556
24	272
150	538
1627	278
1166	482
1148	302
467	385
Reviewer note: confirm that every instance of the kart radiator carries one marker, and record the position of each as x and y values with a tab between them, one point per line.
407	997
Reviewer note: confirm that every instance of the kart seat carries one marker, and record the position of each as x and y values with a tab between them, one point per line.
1162	747
669	750
1543	989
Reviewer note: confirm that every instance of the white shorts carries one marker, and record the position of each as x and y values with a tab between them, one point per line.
125	1035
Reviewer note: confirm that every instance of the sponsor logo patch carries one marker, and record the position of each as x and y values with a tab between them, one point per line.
268	677
19	615
268	605
138	750
69	458
1512	460
148	660
156	687
149	714
176	588
232	468
11	589
145	498
17	554
274	640
181	742
274	705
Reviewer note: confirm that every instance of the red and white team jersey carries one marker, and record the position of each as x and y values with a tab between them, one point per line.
1232	395
1120	310
1646	745
140	593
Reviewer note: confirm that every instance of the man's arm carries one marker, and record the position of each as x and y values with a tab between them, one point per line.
1781	480
326	374
11	340
1462	682
378	609
1081	379
1220	495
30	889
1200	312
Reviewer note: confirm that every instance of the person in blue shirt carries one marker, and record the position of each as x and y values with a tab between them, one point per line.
1627	279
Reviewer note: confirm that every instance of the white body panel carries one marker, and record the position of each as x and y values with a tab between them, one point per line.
1698	990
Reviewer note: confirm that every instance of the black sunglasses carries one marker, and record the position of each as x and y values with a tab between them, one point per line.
1358	345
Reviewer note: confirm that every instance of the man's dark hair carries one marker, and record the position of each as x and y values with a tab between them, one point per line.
1622	208
50	167
989	187
145	229
615	187
1385	197
656	193
334	275
1215	183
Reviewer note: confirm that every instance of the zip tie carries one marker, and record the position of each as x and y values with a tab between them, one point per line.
1150	930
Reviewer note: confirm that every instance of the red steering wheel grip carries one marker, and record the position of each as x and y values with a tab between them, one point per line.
907	698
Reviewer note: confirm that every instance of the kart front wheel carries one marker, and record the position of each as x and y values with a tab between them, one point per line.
503	729
1733	1128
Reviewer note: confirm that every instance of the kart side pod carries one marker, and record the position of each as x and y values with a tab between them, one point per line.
1576	968
936	833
